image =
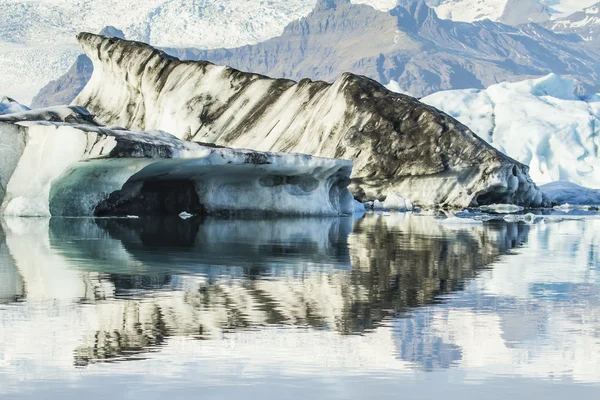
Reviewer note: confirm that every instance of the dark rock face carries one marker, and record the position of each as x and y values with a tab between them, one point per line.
396	142
67	87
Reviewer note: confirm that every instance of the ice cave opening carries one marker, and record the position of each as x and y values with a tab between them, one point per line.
153	197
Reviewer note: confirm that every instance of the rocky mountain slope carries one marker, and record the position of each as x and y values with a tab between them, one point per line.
396	142
408	45
585	23
64	89
37	38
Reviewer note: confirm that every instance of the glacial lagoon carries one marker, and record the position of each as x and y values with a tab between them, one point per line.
386	306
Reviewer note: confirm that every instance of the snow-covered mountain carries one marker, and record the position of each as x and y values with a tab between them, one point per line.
412	46
408	45
37	38
510	12
540	123
37	42
585	23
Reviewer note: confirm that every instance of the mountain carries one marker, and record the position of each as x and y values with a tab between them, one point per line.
585	23
397	143
540	123
64	89
409	45
511	12
37	38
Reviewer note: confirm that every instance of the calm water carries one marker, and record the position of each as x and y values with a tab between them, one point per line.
394	306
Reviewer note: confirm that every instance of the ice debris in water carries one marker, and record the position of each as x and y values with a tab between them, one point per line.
392	202
527	218
185	215
460	221
501	208
564	207
377	205
395	202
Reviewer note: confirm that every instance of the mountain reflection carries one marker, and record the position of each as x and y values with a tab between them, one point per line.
145	280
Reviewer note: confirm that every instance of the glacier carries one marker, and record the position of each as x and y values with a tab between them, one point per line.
538	122
395	142
59	162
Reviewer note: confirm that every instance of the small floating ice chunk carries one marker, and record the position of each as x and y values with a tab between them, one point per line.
133	217
464	214
460	221
185	215
501	208
394	202
564	207
528	218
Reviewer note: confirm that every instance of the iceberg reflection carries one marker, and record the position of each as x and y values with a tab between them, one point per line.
383	294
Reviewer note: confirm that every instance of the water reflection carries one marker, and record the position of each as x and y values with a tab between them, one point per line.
385	294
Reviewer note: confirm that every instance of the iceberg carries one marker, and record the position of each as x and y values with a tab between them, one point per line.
538	122
396	142
59	162
9	106
569	193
